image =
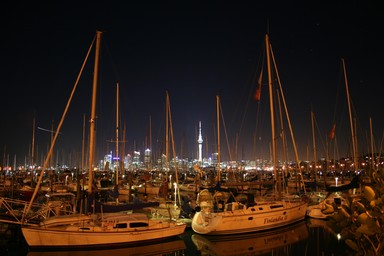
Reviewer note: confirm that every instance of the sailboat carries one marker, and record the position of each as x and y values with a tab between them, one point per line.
234	217
98	206
97	229
167	208
337	195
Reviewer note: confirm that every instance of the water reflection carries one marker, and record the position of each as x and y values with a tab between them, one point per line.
156	248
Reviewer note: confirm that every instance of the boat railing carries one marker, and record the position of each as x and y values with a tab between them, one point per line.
13	211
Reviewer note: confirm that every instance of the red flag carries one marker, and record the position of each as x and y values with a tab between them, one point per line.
258	94
332	132
258	90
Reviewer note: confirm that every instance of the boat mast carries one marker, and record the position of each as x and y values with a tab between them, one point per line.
166	135
57	132
314	145
92	121
83	145
82	162
32	163
218	137
176	185
350	119
150	144
271	108
288	122
117	137
373	160
33	145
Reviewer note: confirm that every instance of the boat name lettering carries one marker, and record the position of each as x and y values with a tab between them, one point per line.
275	219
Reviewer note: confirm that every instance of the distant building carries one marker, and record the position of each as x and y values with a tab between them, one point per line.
200	141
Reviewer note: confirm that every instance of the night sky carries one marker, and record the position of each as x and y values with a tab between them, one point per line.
194	51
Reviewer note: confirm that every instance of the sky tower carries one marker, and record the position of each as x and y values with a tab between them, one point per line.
200	141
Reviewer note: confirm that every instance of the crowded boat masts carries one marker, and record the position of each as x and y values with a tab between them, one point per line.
133	199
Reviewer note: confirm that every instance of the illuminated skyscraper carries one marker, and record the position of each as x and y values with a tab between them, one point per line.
200	141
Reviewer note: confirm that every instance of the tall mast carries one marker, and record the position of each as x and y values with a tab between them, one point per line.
150	144
271	106
92	130
117	137
218	137
167	133
33	145
174	154
372	146
83	145
350	119
46	162
314	145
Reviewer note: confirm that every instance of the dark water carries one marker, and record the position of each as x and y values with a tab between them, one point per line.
310	237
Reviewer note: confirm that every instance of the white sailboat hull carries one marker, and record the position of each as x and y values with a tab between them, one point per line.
256	218
108	234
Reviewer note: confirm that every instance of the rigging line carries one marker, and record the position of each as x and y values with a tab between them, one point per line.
261	119
47	130
160	138
318	131
111	60
225	131
257	130
26	209
252	79
285	106
174	153
338	89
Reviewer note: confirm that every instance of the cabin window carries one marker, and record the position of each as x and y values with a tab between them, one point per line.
121	225
250	218
276	206
84	229
138	224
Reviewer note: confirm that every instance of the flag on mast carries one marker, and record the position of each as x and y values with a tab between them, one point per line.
258	89
332	132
